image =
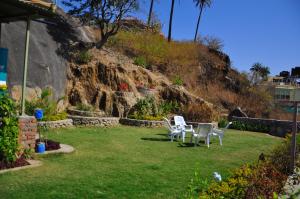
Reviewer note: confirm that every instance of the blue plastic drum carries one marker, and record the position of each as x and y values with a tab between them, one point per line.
41	147
39	114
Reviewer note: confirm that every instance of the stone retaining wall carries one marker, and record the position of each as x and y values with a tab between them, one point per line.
277	127
142	123
94	121
86	113
56	124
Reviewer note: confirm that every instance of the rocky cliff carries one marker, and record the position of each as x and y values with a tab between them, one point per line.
53	46
47	57
98	83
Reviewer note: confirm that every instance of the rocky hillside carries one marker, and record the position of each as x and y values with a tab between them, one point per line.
56	46
98	83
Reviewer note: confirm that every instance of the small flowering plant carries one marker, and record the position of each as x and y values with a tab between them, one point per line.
124	87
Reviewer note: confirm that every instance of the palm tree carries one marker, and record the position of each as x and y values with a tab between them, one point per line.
170	21
264	72
255	69
150	13
259	70
201	4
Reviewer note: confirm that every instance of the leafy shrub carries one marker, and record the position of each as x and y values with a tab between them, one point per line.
264	179
8	130
222	122
45	103
56	117
141	61
197	185
149	109
198	113
84	107
177	81
84	57
243	126
168	107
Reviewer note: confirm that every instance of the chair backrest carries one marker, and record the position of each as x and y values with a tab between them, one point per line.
179	120
204	129
167	124
227	126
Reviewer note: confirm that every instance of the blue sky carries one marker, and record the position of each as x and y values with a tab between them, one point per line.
266	31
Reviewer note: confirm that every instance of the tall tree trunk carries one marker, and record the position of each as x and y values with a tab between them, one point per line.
150	13
198	22
170	21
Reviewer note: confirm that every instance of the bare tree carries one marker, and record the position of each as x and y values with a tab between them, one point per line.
106	14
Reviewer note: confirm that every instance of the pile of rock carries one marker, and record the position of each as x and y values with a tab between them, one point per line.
92	118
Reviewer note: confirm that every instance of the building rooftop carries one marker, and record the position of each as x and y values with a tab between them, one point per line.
14	10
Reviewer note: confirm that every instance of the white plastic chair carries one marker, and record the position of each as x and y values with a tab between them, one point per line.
173	130
220	132
203	131
179	121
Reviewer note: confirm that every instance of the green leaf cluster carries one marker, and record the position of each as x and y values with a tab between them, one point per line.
45	103
9	131
149	109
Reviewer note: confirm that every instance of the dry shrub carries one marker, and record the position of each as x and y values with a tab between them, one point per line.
183	58
199	113
201	71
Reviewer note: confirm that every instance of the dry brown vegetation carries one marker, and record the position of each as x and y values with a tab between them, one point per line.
205	72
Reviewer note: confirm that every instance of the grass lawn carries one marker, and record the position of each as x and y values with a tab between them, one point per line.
128	162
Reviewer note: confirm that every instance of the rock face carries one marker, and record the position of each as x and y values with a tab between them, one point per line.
99	83
47	64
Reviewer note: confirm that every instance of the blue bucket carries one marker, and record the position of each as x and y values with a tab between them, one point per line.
39	114
41	148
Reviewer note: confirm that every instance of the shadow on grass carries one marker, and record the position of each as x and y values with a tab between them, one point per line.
157	139
163	134
187	144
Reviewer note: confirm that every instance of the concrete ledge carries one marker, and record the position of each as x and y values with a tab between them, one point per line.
33	164
64	148
56	124
142	123
94	121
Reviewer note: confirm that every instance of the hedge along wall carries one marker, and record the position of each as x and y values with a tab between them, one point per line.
274	127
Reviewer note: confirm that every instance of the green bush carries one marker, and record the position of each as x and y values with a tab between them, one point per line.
243	126
45	103
84	57
177	81
149	109
222	123
141	61
84	107
8	130
56	117
264	179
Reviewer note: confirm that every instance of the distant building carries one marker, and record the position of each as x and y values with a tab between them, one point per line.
287	93
296	72
284	74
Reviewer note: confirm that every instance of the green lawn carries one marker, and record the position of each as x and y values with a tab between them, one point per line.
128	162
